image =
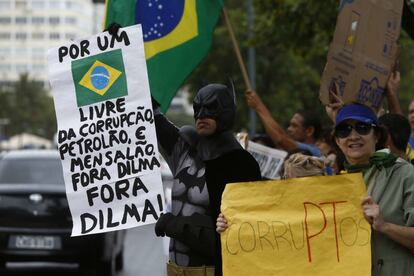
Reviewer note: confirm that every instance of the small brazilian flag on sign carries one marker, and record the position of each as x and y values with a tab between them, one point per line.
99	78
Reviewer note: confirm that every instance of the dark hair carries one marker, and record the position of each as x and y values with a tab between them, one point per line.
311	119
326	136
265	139
398	128
382	134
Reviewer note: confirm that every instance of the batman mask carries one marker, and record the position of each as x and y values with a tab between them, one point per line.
216	101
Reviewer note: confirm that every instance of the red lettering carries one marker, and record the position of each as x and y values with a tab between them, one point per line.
334	219
308	237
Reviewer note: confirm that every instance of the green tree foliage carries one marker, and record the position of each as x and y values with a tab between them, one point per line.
28	108
292	39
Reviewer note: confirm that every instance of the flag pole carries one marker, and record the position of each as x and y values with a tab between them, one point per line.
251	63
247	82
237	50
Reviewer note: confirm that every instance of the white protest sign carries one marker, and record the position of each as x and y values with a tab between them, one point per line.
270	160
106	134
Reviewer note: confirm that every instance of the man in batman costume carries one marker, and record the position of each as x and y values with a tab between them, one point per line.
207	153
189	225
211	154
224	159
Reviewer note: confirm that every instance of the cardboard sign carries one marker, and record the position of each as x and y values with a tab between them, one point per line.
300	226
363	51
106	134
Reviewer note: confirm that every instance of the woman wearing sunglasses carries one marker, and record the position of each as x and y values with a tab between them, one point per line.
389	205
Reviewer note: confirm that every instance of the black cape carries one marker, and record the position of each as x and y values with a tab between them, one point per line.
234	166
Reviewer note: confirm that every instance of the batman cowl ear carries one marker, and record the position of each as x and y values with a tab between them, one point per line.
232	90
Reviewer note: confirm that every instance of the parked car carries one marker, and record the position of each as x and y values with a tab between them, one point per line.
35	221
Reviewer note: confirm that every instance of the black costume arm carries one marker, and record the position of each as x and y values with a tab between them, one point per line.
196	231
167	132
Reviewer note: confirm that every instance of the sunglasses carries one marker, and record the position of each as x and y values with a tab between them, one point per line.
344	130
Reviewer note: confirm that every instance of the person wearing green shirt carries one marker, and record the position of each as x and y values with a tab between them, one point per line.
389	205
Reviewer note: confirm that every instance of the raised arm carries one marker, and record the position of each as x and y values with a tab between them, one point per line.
167	132
273	129
393	84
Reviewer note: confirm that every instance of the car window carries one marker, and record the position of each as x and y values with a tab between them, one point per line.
33	170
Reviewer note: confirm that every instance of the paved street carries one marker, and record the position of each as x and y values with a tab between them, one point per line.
145	255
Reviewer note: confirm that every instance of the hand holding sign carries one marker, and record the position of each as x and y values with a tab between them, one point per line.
372	213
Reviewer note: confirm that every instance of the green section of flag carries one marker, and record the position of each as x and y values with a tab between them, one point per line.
168	70
99	78
119	11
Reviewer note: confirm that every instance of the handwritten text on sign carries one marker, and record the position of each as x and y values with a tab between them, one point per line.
303	226
106	135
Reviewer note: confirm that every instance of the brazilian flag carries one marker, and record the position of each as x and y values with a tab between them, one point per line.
177	36
99	78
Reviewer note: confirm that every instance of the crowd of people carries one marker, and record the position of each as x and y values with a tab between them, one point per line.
204	158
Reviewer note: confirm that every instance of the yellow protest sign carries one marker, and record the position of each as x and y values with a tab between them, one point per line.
300	226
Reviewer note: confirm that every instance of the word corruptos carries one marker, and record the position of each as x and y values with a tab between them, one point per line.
82	49
250	236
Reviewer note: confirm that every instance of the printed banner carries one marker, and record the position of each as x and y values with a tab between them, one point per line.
106	134
300	226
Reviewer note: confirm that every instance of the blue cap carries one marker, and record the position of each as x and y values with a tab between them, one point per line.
356	112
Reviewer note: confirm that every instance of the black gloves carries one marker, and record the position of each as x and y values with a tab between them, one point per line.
113	28
162	223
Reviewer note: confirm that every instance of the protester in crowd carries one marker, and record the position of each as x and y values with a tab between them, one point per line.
302	133
389	206
224	158
325	145
394	107
391	93
295	165
189	224
398	129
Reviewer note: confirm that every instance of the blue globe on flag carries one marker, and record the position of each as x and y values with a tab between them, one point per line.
100	77
158	17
